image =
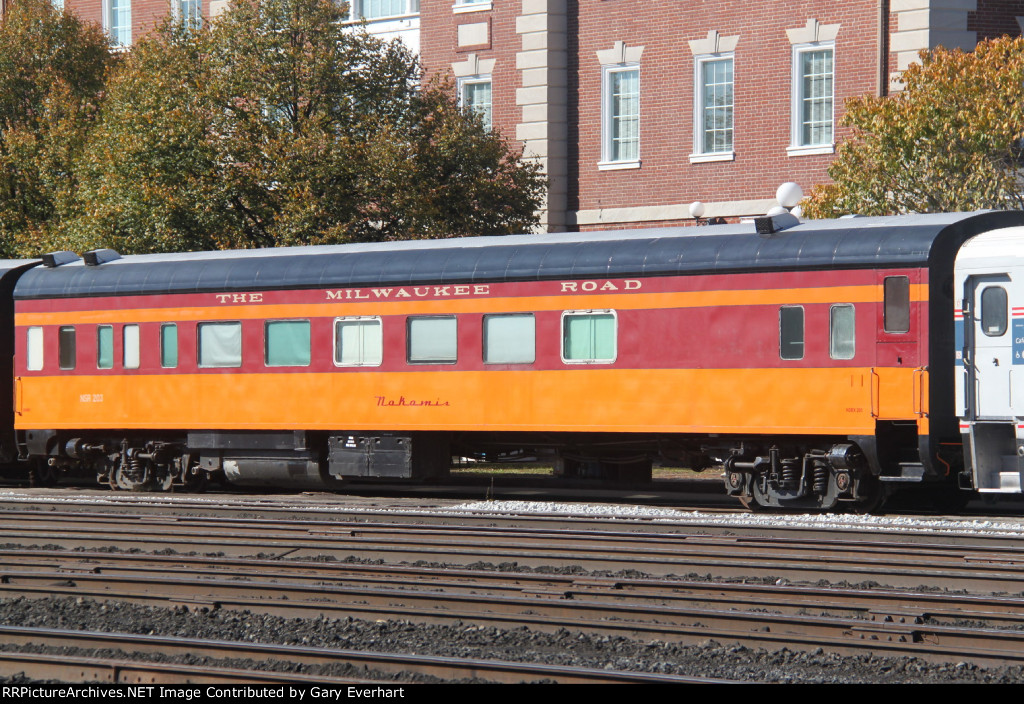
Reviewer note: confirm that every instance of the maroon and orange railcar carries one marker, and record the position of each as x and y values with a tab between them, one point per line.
814	361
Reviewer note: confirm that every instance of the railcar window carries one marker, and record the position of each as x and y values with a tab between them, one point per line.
896	311
66	348
35	349
358	342
130	339
433	340
105	347
287	343
169	345
588	337
842	323
510	339
791	332
993	311
220	344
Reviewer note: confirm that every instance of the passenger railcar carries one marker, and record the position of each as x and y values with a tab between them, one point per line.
814	360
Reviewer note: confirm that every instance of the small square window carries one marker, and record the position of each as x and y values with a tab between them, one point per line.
510	339
589	337
287	343
220	344
433	340
358	342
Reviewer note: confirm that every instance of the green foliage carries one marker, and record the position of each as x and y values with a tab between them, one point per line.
52	70
950	141
276	125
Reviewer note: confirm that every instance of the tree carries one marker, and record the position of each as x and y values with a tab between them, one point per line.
277	125
52	69
950	141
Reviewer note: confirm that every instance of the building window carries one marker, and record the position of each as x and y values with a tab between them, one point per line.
105	347
510	339
714	101
813	74
358	342
433	340
842	328
118	18
169	346
190	13
620	119
379	9
34	349
220	344
475	96
66	347
287	343
791	332
588	337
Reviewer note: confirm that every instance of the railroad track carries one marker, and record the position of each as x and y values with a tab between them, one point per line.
990	563
290	658
756	589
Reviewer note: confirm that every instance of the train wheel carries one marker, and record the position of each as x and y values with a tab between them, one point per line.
873	496
42	474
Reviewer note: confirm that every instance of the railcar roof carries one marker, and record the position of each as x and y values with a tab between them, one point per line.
909	240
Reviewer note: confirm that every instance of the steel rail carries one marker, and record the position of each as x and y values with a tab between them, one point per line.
445	668
842	559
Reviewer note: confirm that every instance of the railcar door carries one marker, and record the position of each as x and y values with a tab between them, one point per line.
989	355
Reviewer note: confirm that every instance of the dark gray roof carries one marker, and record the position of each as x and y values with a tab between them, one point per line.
912	240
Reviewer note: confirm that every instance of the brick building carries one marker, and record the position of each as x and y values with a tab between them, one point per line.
634	109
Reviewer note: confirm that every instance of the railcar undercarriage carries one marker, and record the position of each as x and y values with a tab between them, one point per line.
804	473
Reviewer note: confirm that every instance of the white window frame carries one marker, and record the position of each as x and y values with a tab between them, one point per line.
108	23
461	6
607	163
615	337
797	147
178	12
463	83
699	154
410	8
355	319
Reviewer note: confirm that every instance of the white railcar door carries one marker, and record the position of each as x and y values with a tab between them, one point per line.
990	348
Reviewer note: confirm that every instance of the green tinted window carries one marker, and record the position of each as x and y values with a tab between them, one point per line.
588	337
169	346
104	347
287	343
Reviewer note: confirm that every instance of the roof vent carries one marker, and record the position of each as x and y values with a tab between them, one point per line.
769	225
95	257
55	259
